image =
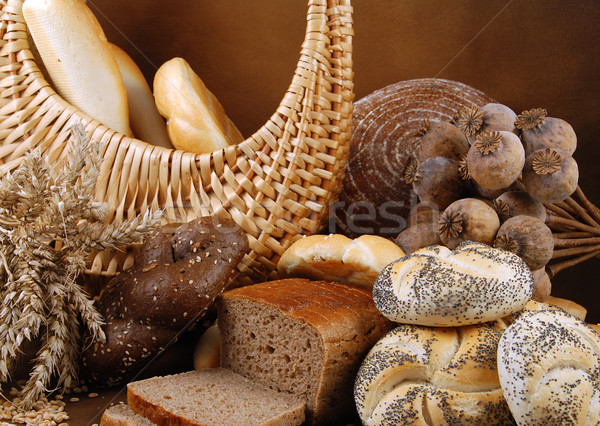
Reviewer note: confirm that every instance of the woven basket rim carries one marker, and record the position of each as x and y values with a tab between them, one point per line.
294	163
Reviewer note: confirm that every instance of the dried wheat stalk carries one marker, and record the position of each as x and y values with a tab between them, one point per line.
49	225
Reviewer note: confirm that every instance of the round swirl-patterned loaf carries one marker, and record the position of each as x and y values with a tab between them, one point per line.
436	286
432	376
549	369
375	198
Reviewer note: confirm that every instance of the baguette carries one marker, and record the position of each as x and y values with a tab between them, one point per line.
79	60
146	123
196	121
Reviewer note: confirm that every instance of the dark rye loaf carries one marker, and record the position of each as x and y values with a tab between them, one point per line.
300	336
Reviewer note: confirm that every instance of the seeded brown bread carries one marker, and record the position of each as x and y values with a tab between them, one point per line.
301	336
212	396
176	276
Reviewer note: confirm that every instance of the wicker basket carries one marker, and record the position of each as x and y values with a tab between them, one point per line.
277	185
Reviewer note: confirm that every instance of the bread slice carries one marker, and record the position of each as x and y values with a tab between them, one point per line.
301	336
123	415
212	396
79	60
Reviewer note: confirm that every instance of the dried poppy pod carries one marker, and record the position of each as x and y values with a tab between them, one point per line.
538	131
496	159
423	212
417	236
550	175
542	286
435	180
468	219
527	237
515	203
493	116
441	139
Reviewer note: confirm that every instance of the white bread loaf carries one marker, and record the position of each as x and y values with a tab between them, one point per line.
79	60
336	257
549	369
146	123
432	376
196	121
438	287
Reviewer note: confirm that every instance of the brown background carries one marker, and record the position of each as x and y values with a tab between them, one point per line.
524	53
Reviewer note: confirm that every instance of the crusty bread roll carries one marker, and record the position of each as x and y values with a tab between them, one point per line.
336	257
569	306
432	376
385	136
300	336
146	123
439	287
207	353
79	60
549	369
196	121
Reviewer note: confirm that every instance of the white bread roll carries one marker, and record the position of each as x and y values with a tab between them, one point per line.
207	352
569	306
438	287
336	257
432	376
79	60
196	121
146	123
549	369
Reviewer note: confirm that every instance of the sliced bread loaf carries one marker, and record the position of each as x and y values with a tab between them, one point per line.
212	396
123	415
300	336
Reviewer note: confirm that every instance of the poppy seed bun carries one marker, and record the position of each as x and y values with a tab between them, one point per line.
438	287
549	369
426	375
336	257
